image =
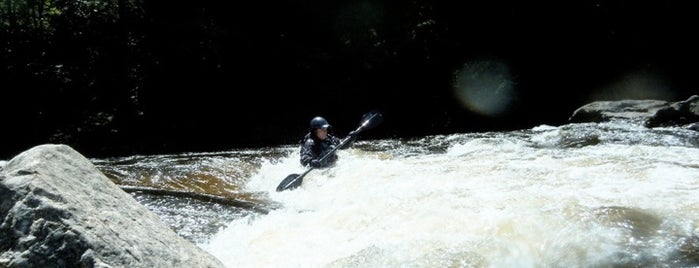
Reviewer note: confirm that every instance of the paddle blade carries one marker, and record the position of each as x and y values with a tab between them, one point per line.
290	182
370	120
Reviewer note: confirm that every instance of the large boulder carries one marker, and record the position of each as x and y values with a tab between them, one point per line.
626	110
650	113
678	113
58	210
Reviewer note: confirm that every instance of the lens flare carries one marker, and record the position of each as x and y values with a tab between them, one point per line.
484	86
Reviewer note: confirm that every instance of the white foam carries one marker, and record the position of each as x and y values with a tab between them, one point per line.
494	203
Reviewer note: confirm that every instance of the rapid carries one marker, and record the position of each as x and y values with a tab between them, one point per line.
579	195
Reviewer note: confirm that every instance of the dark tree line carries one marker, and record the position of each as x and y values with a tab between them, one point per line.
70	72
121	77
125	76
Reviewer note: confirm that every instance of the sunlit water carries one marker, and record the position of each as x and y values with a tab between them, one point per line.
580	195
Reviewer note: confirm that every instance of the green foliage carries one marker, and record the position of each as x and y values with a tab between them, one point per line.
28	15
69	60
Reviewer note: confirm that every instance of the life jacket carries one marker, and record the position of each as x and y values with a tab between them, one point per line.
314	148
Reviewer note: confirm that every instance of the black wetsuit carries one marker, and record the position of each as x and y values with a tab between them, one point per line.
314	148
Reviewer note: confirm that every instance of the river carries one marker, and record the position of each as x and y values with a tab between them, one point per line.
577	195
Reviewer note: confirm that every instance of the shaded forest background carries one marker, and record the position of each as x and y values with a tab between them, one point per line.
126	77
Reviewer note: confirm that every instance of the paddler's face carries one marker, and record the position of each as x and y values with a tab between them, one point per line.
322	133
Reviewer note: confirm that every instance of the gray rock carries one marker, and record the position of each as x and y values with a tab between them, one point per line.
627	110
650	113
58	210
678	113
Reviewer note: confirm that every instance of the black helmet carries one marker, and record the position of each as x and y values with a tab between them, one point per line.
319	122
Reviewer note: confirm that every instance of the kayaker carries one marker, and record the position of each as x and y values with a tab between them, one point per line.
317	143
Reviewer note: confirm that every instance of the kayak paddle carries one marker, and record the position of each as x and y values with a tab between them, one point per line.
369	121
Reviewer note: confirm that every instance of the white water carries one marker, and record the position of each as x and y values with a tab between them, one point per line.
486	201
